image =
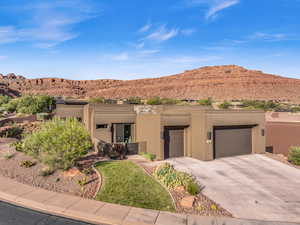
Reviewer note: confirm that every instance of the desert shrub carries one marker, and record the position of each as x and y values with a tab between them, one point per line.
8	156
205	102
135	100
295	109
169	101
154	101
13	132
58	143
294	155
148	156
27	163
46	172
97	100
30	104
4	99
171	178
225	105
193	188
263	105
43	116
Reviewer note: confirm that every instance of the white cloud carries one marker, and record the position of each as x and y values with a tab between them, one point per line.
124	56
145	28
148	52
268	36
219	6
163	34
50	23
214	6
188	32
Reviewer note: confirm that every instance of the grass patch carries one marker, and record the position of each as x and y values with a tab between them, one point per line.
127	184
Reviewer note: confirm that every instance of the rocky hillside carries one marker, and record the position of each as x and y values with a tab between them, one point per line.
219	82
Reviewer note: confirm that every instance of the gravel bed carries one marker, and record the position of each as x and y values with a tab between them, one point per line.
60	181
203	206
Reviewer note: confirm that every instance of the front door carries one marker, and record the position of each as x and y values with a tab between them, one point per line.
123	133
174	142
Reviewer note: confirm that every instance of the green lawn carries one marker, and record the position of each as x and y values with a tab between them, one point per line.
127	184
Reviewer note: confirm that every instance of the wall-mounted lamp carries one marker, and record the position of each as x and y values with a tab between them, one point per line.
263	132
209	135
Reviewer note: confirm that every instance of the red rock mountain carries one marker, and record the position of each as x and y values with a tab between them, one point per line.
219	82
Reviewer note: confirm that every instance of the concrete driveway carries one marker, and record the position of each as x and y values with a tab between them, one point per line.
250	187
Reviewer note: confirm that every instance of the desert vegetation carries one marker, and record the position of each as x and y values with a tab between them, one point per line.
294	155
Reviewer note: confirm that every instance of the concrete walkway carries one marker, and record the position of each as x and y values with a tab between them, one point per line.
250	186
99	212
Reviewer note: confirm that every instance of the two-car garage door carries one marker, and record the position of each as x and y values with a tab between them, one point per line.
232	141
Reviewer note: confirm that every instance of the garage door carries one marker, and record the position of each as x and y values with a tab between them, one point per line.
232	141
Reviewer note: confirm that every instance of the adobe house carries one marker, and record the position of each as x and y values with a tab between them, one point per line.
282	131
172	130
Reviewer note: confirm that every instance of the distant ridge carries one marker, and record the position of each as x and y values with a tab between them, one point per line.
227	82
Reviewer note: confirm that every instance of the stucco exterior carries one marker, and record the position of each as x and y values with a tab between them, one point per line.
147	125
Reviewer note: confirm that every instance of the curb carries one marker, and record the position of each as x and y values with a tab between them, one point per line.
97	212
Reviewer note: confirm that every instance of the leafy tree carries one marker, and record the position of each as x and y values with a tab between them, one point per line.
58	143
30	104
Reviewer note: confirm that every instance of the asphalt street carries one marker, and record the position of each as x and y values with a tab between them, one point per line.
15	215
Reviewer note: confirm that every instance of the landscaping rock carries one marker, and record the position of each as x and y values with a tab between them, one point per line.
187	202
180	189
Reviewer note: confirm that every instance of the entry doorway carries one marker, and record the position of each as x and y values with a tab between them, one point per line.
174	141
122	133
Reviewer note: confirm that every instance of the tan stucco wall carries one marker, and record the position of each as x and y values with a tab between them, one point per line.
110	114
148	129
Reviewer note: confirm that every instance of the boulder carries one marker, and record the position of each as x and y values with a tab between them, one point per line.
188	202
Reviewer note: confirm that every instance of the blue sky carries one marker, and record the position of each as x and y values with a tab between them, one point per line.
117	39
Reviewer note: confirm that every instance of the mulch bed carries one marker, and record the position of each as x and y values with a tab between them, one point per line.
60	181
203	206
281	158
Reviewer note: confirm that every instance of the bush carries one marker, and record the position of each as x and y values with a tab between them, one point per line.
43	116
154	101
97	100
27	163
13	132
295	109
58	143
8	156
263	105
205	102
46	172
30	104
148	156
171	178
169	101
294	155
135	101
4	99
225	105
193	188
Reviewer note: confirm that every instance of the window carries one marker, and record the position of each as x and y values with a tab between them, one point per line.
101	126
123	133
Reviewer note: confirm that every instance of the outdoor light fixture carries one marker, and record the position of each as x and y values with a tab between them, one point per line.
263	132
209	135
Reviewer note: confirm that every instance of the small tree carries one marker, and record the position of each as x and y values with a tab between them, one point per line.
294	155
225	105
59	143
154	101
205	102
